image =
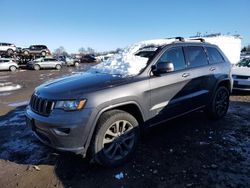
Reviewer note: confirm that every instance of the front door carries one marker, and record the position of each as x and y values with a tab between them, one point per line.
169	91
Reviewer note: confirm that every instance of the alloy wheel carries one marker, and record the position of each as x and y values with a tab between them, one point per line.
118	140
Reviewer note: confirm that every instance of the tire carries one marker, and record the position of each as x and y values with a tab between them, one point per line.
43	53
10	52
26	53
110	147
219	104
58	67
37	67
13	68
76	64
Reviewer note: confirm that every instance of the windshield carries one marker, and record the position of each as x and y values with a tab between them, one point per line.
131	60
244	63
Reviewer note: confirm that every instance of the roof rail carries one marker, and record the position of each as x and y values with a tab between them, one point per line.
200	39
181	39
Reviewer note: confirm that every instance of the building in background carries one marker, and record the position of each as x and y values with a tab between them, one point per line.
229	44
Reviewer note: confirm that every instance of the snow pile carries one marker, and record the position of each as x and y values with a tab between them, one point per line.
9	86
17	104
126	63
230	45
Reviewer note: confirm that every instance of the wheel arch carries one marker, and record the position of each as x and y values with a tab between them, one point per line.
224	82
130	107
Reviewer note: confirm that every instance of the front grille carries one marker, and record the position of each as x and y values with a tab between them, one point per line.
41	106
242	77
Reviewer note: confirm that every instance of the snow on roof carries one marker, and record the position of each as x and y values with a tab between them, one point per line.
126	63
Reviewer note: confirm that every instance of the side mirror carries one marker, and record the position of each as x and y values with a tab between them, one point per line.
162	67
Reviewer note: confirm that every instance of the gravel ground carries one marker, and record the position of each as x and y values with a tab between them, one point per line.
191	151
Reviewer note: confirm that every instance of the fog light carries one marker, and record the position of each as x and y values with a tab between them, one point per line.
62	131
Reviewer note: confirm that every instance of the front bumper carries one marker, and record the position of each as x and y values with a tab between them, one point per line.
65	131
241	84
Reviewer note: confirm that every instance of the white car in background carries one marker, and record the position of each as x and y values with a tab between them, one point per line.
241	75
8	64
7	47
44	63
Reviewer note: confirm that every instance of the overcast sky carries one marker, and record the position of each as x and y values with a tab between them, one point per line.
109	24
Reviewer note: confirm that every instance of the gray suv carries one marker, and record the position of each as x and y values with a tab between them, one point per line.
102	112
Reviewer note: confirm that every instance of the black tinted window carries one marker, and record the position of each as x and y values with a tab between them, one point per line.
4	61
196	56
175	56
214	55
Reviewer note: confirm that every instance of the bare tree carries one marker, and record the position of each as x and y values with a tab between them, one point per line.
60	51
82	50
90	50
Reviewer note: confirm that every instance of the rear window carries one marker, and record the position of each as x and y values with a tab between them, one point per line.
214	55
196	56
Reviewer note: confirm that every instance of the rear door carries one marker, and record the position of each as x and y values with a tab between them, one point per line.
45	63
216	65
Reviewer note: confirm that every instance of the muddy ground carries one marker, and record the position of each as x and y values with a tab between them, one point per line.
191	151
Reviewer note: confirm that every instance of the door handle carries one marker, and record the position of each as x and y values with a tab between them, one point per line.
184	75
212	68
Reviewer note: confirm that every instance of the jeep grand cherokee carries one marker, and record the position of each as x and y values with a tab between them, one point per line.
102	112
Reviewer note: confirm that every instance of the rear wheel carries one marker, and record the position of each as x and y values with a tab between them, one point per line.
115	139
37	67
13	68
220	103
58	67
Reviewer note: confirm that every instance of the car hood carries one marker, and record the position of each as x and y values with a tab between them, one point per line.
78	85
243	71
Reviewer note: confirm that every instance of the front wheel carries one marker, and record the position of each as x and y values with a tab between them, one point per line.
36	67
10	52
13	68
220	103
115	139
76	64
26	53
43	54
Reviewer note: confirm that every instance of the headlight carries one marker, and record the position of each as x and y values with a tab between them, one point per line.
71	105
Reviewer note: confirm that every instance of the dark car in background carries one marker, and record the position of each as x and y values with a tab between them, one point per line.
38	50
88	58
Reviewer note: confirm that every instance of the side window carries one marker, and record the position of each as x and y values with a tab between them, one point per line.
214	55
175	56
46	59
196	56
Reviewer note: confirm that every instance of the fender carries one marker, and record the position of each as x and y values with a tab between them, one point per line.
99	113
